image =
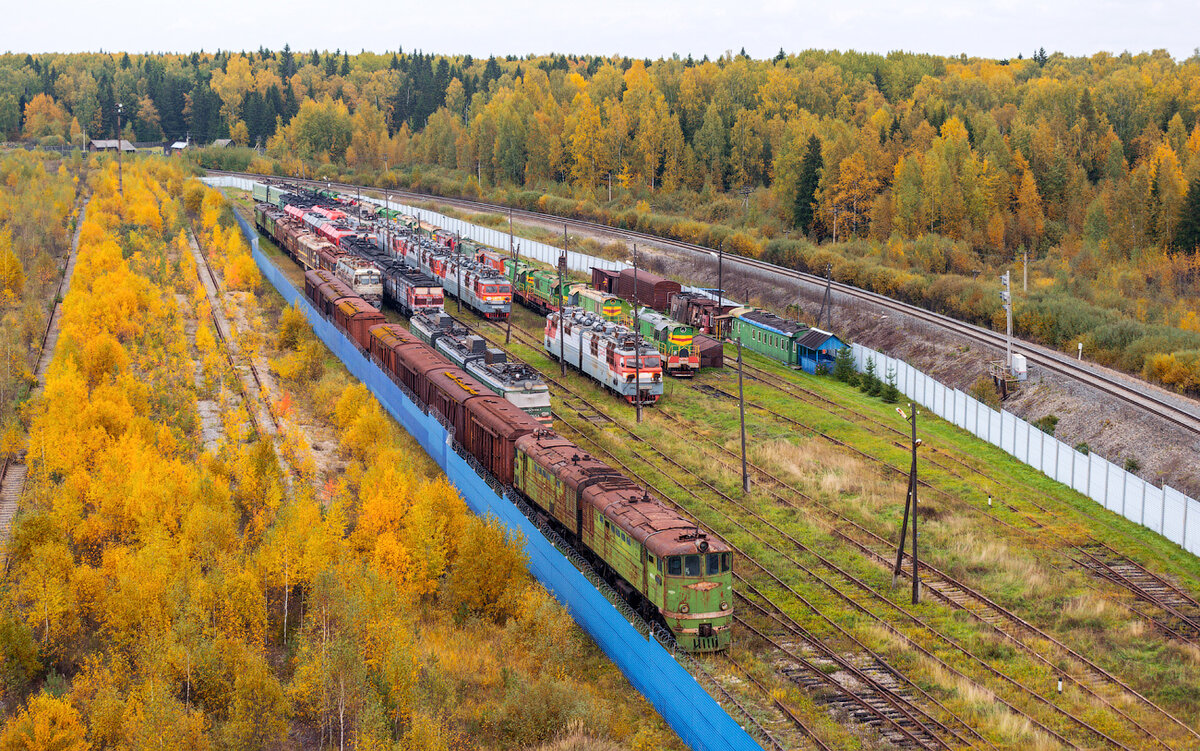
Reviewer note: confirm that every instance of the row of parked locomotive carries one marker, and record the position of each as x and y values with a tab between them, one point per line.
318	231
670	569
364	269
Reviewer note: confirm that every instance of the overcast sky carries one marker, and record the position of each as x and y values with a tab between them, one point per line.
999	28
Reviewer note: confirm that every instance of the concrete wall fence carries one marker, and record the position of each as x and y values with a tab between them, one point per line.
654	671
1162	509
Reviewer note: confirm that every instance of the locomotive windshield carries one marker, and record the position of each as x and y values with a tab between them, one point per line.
691	565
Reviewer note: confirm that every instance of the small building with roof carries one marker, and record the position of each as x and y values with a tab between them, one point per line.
789	342
817	348
109	144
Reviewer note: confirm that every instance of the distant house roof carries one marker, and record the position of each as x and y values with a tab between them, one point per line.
223	142
179	145
817	339
111	143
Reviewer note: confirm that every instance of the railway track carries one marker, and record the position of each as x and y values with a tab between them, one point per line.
874	680
1179	618
917	733
1085	675
263	420
13	473
1183	413
1082	672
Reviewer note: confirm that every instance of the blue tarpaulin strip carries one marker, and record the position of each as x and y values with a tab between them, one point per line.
690	711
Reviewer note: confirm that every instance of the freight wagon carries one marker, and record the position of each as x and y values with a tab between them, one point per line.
665	565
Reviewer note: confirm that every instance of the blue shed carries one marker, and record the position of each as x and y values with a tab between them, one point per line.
817	347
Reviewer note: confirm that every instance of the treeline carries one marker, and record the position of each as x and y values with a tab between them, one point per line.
919	173
163	593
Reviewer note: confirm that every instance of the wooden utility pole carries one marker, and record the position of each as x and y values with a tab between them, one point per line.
562	313
826	303
120	174
742	410
910	505
637	342
513	253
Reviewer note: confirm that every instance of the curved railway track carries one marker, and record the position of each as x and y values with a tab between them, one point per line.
1141	395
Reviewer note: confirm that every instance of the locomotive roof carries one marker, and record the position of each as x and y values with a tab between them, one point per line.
621	500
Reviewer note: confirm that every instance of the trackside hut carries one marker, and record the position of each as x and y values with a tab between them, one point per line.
817	348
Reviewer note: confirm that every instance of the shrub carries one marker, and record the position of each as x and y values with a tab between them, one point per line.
984	390
1132	465
1047	424
1083	448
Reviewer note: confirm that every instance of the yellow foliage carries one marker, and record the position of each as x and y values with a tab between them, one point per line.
46	724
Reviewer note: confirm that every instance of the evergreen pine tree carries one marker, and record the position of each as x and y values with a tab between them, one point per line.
1187	227
843	365
890	393
806	191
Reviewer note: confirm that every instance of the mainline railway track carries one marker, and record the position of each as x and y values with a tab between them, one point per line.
1177	410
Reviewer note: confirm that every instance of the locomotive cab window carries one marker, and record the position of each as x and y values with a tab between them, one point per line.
674	566
713	563
691	565
724	562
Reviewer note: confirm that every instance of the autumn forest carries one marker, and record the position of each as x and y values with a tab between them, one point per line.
920	176
180	576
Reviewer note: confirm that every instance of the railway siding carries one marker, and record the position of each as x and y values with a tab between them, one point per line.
698	719
1161	509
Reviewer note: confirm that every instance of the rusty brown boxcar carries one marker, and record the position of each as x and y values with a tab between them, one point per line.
328	295
356	316
605	280
650	290
386	340
712	354
312	282
494	425
448	389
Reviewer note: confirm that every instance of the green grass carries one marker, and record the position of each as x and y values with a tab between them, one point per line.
1013	555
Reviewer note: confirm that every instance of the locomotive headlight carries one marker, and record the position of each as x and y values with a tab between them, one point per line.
684	608
724	606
